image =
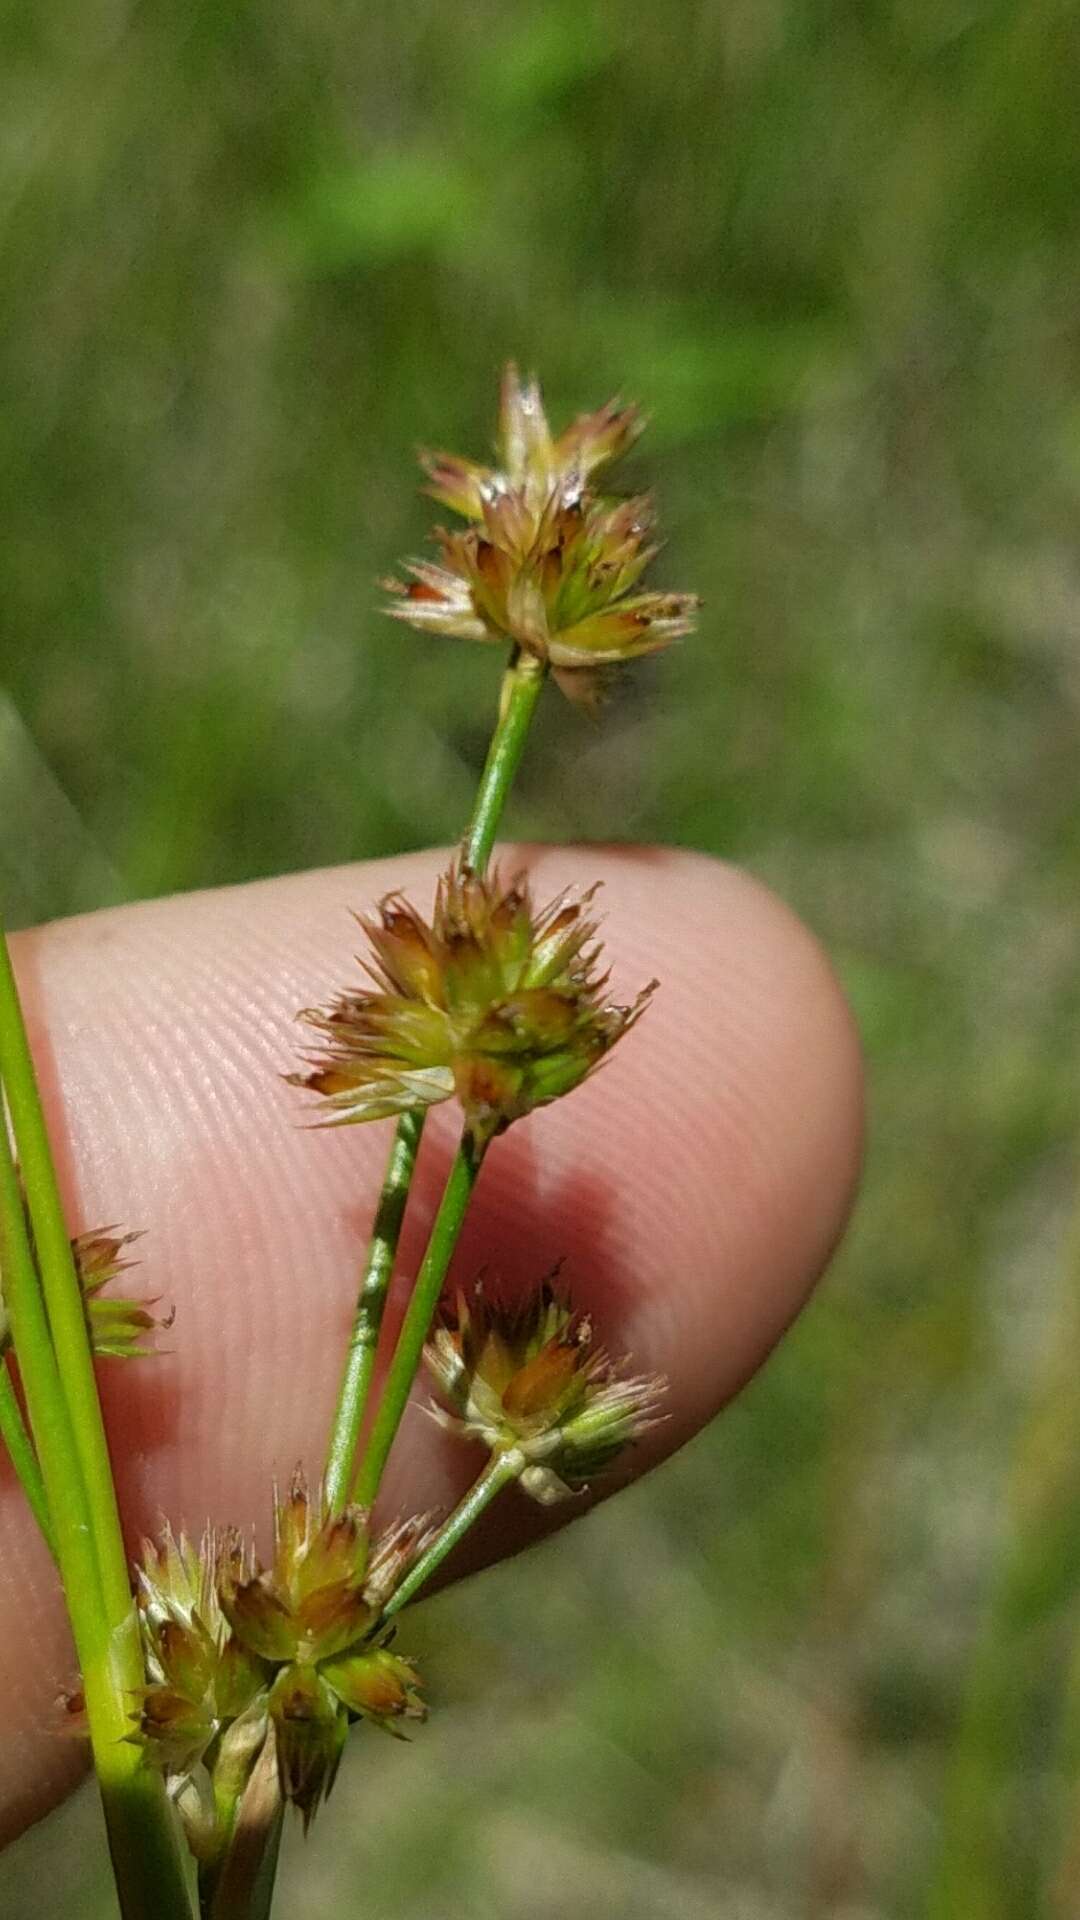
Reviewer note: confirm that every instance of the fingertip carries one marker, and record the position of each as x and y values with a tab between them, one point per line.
695	1185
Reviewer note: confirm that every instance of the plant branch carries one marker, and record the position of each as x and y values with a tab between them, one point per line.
49	1423
22	1456
425	1298
62	1294
142	1839
146	1862
502	1468
364	1339
521	687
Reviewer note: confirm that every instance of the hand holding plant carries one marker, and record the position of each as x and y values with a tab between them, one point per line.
253	1671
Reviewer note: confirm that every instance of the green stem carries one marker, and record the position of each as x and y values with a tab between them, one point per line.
63	1295
21	1453
378	1272
521	688
55	1366
49	1423
146	1862
501	1469
425	1298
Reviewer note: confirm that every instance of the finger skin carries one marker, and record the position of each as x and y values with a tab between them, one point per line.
694	1187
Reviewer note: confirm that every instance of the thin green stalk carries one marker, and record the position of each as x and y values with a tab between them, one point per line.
501	1470
49	1423
52	1347
364	1339
146	1861
521	687
22	1456
63	1296
425	1298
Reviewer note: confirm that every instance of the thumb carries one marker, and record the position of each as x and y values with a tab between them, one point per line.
694	1188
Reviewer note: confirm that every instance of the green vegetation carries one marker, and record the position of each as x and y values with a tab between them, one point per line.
828	1667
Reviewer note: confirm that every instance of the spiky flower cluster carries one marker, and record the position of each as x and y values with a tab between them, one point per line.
493	1002
119	1329
238	1653
528	1379
548	563
203	1712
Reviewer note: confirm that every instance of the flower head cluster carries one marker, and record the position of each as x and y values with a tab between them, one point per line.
298	1649
547	563
528	1379
493	1002
203	1712
119	1329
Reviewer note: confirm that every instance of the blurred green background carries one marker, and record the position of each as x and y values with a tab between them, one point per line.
823	1664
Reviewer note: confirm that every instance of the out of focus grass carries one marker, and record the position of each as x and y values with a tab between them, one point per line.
824	1663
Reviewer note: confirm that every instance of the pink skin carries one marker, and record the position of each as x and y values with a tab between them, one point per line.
696	1186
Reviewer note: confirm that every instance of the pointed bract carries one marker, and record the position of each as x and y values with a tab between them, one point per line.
531	463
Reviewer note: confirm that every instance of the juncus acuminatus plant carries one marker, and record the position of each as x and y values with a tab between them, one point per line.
220	1690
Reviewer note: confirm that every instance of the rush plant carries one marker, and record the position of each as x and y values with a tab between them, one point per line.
220	1691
